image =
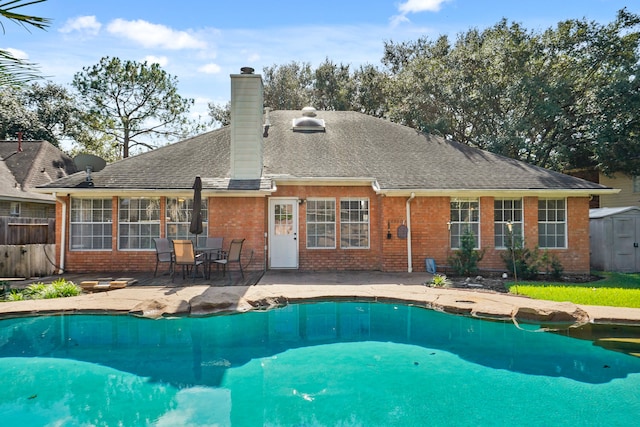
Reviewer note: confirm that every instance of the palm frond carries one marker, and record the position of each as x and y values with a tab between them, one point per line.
7	10
15	71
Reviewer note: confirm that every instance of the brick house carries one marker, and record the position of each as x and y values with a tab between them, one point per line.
319	190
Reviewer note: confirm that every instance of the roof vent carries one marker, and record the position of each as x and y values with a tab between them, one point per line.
308	121
246	70
309	112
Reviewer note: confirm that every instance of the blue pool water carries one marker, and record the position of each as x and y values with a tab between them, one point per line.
325	364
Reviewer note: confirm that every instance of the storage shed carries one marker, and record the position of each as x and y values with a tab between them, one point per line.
614	239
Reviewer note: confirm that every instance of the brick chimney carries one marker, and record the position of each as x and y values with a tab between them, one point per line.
246	124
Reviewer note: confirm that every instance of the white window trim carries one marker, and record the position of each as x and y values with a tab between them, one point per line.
335	221
521	222
138	222
566	224
468	199
71	222
368	223
14	209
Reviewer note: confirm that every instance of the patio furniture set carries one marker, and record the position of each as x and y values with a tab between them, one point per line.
183	253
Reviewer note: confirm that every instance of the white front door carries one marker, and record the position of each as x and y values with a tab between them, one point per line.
283	233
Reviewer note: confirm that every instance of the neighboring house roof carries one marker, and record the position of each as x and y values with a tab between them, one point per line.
351	147
37	163
9	187
605	212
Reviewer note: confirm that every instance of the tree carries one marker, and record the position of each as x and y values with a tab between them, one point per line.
465	260
288	87
564	98
40	112
91	141
333	87
220	114
15	71
614	124
296	85
372	87
132	104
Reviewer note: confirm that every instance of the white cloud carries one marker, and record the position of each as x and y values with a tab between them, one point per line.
397	20
17	53
210	68
160	60
190	402
87	25
200	109
154	35
416	6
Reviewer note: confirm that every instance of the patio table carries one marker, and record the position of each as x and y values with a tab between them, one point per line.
210	255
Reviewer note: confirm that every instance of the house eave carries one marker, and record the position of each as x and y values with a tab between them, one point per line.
323	181
497	192
110	192
27	199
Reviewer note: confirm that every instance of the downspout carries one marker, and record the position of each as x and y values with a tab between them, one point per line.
409	255
63	232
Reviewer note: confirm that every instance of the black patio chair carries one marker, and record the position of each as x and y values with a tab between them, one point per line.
164	253
213	250
233	255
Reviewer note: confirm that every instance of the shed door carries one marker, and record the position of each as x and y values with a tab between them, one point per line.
626	238
283	239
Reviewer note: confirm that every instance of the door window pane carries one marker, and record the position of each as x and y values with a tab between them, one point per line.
283	219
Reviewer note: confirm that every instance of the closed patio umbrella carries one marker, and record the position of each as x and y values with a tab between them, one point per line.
195	227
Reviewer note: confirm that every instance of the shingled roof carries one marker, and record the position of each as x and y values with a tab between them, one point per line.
28	165
352	146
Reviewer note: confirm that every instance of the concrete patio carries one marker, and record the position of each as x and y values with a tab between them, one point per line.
160	297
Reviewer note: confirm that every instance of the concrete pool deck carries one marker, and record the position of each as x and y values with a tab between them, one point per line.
161	298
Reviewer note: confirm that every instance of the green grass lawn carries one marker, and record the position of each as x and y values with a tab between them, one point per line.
615	290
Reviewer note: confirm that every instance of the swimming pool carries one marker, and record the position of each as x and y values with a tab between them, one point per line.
320	364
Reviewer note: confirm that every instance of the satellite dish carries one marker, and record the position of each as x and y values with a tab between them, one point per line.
85	161
89	163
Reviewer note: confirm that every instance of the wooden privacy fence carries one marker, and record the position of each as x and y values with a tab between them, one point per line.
27	246
26	231
27	260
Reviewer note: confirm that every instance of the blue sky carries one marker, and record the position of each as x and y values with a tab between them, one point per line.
202	42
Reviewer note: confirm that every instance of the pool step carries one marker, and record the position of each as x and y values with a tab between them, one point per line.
626	345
